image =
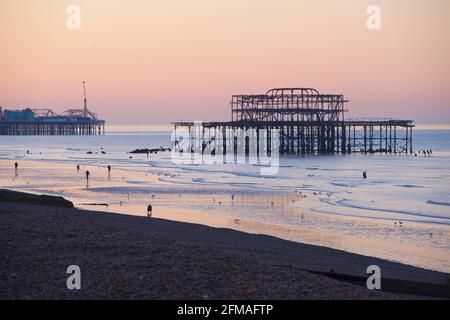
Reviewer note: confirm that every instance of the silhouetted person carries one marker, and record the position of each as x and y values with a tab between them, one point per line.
365	175
87	175
16	172
109	168
78	167
149	210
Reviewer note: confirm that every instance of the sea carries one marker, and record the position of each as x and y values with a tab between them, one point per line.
400	212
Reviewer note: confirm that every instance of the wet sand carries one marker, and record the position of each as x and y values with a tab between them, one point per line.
129	192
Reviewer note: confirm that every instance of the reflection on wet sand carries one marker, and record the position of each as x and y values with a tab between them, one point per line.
287	215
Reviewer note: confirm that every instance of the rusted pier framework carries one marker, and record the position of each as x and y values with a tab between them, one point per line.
85	127
306	122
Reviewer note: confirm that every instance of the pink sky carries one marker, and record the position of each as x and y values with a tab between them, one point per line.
156	61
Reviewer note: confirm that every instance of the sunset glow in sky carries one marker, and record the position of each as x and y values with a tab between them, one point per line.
154	61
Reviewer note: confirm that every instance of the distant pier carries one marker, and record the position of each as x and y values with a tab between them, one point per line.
68	127
306	122
46	122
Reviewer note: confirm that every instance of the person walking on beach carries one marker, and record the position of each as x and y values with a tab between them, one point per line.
109	168
16	172
149	210
365	175
78	167
87	175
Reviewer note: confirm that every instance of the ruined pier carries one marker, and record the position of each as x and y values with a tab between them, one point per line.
305	122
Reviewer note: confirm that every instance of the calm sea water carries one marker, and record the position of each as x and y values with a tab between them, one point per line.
324	193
